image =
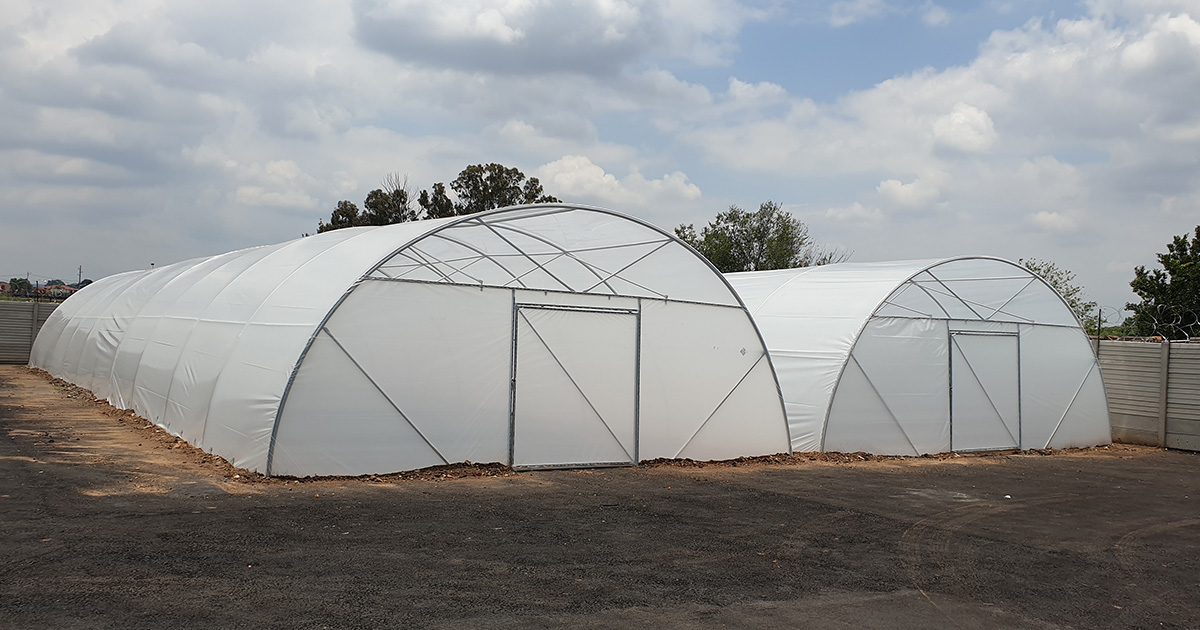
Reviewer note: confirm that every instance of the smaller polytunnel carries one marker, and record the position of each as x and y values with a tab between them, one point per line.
537	336
916	357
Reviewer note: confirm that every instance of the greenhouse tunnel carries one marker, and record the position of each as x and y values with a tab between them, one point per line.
916	357
537	336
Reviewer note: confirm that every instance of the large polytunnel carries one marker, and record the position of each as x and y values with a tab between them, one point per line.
916	357
537	336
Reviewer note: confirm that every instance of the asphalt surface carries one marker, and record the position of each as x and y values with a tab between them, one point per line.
108	523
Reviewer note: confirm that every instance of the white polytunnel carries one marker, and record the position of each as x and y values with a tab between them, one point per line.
537	336
917	357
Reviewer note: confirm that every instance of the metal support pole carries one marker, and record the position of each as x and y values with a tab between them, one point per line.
1164	372
33	326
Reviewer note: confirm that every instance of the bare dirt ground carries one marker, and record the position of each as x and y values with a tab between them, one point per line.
107	522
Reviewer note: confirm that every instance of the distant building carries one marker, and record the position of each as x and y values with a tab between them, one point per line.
57	291
5	288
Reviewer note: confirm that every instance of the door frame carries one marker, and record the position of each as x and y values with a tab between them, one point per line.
1016	336
637	381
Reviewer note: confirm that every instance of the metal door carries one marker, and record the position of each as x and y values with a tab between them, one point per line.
985	391
574	387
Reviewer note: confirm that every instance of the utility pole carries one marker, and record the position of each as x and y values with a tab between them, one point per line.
80	281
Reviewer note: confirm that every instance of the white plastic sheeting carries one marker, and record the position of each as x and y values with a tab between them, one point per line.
916	357
544	335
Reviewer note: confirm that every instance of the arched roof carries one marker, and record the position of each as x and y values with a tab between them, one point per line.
834	302
173	341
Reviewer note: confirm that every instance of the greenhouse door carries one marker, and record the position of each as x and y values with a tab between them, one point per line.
985	392
574	387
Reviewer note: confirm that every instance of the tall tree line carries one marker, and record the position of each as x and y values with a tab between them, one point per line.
769	238
477	188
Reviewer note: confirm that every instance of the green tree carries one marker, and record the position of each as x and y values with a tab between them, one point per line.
390	204
438	204
20	286
1063	281
482	187
345	215
771	238
383	206
477	188
1170	303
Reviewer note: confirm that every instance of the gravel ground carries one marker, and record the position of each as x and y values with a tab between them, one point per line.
107	522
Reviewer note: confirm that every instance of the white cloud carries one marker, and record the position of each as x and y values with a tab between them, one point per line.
916	194
1138	9
208	154
576	178
257	196
965	128
1055	129
597	37
1049	89
934	15
1171	36
847	12
1054	221
284	169
856	214
762	94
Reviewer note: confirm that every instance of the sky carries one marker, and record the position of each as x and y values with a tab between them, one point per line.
152	131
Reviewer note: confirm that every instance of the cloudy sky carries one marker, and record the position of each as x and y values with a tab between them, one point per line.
154	131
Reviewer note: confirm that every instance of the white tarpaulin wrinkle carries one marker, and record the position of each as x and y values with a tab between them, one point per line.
379	349
863	356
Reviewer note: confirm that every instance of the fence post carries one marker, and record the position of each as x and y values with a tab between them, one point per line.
1164	373
33	327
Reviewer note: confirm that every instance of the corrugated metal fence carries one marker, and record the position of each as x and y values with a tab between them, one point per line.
19	326
1153	392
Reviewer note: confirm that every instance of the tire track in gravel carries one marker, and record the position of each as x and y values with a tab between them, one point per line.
1126	551
927	547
